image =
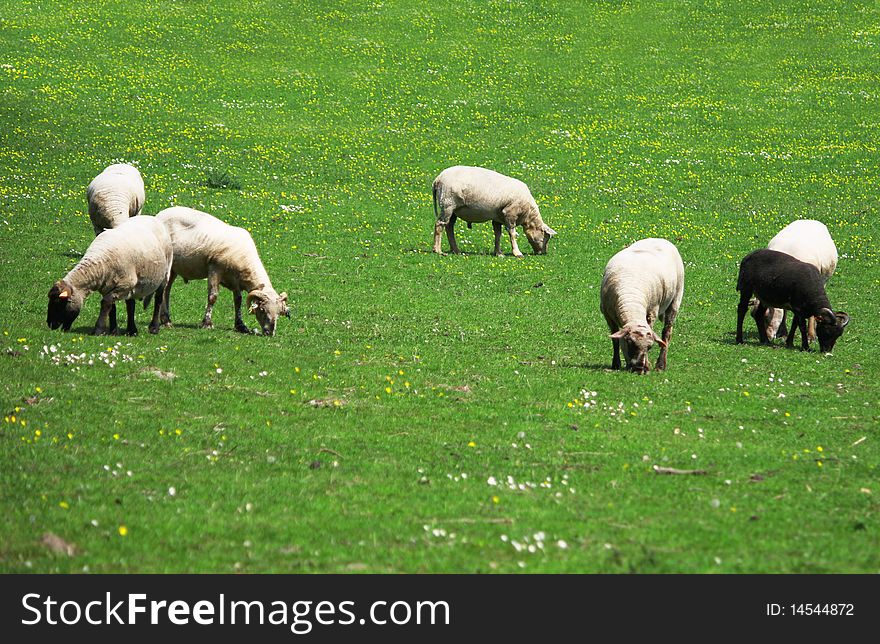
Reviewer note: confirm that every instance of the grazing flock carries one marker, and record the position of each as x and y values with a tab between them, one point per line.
137	257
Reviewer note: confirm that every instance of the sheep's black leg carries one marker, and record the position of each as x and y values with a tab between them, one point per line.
101	324
158	304
240	326
761	321
615	360
131	329
450	234
114	326
805	338
744	297
789	341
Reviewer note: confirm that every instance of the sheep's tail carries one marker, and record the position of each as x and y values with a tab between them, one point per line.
434	194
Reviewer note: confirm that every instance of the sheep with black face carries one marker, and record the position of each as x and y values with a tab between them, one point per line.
130	262
781	281
809	241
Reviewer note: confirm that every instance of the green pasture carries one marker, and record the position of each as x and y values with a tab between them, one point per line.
422	413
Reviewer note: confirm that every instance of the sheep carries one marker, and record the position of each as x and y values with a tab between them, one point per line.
641	283
477	195
205	247
809	241
113	196
782	281
129	262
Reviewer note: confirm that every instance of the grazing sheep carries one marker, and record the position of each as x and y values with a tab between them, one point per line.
477	195
782	281
809	241
641	283
115	195
130	262
205	247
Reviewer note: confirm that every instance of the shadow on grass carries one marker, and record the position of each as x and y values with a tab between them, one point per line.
585	365
751	340
476	253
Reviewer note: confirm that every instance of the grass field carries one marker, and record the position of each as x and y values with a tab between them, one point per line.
367	434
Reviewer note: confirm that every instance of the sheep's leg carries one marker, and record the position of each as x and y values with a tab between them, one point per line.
158	307
781	332
761	321
107	303
496	225
615	360
165	314
446	214
768	313
789	341
131	328
438	229
668	321
510	218
511	231
213	289
741	309
450	235
811	328
805	338
114	326
240	326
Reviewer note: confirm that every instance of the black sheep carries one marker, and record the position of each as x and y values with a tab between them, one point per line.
781	281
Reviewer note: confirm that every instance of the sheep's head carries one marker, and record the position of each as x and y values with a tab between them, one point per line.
267	306
635	341
829	327
539	236
65	304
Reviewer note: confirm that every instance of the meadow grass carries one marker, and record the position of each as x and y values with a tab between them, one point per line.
423	413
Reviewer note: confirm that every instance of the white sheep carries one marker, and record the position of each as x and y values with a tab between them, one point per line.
205	247
641	283
809	241
115	195
129	262
477	195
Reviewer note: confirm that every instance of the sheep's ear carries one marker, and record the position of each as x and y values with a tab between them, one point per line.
842	318
253	300
659	340
63	295
828	316
549	230
618	334
283	297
